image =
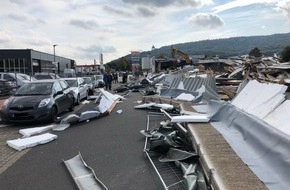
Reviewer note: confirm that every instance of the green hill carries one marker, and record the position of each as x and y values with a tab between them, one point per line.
224	48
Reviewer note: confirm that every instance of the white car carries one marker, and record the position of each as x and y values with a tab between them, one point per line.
79	88
16	78
91	85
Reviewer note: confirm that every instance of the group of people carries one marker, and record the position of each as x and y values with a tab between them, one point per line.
110	78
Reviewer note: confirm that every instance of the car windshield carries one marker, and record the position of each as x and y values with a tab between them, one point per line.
25	77
72	83
35	89
43	77
88	80
99	77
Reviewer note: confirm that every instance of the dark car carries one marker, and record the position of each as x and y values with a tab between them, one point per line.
6	88
36	101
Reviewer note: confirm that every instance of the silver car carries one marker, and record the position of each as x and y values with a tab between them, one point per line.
79	88
91	85
17	79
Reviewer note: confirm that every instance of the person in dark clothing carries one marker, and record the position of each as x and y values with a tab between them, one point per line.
108	78
123	78
115	77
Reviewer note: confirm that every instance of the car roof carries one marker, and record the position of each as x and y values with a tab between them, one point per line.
46	80
71	78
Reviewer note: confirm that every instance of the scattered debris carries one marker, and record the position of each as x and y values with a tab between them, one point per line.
154	106
88	115
85	102
119	111
35	130
20	144
70	119
61	127
197	118
83	175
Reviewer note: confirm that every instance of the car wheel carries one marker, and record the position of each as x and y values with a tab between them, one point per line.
72	107
78	100
53	115
87	95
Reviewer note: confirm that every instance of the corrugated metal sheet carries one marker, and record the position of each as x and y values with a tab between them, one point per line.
192	84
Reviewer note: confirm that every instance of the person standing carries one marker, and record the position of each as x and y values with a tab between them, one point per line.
108	78
115	77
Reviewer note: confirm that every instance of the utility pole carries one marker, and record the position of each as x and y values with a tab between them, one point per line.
54	58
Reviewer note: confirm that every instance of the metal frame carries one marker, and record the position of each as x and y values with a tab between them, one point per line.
173	179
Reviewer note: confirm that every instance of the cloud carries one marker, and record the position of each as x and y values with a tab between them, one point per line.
239	3
284	6
18	2
37	42
166	3
85	24
16	17
146	12
207	20
97	48
116	11
92	51
5	37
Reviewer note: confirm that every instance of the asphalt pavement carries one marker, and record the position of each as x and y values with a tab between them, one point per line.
111	145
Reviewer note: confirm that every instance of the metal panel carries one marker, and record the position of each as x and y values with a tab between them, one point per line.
170	176
84	176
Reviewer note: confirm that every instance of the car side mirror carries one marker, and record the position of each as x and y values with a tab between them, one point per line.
58	93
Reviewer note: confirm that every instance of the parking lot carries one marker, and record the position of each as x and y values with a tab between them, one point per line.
112	145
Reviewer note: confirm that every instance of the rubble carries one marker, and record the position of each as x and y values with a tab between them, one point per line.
20	144
83	175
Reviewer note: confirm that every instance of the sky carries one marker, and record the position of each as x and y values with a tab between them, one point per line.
82	29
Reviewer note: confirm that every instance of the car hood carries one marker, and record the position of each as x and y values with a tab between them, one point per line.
74	90
26	100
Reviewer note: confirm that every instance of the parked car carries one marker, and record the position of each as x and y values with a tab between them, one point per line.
17	79
41	76
38	101
79	88
98	81
91	85
6	88
26	77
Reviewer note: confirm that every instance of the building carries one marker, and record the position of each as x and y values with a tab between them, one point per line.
30	61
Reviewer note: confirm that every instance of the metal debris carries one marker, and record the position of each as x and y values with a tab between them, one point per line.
83	175
35	130
88	115
72	118
20	144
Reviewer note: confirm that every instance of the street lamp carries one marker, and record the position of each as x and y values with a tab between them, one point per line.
54	58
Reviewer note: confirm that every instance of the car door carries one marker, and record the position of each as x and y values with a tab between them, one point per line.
59	99
67	92
82	88
11	79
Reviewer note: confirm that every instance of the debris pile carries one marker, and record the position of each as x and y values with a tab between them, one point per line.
166	147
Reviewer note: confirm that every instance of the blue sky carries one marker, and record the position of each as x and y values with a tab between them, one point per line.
83	29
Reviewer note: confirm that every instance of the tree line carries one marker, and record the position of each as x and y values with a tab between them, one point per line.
224	48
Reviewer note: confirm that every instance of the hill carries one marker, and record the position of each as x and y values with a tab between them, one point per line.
224	48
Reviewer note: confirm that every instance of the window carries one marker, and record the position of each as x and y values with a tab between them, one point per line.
56	87
63	84
9	78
